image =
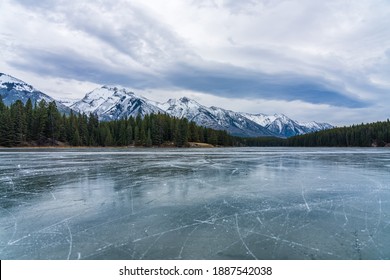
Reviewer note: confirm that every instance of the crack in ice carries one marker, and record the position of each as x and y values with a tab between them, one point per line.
70	240
242	240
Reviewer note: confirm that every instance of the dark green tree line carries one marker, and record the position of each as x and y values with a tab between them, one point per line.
43	124
363	135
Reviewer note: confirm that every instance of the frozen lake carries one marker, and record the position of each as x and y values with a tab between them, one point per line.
227	203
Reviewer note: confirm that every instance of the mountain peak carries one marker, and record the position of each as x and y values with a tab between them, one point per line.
105	92
111	102
185	99
11	83
12	89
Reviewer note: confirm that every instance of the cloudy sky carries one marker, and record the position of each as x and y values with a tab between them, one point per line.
311	60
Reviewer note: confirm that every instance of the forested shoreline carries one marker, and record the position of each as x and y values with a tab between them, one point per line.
43	125
29	125
364	135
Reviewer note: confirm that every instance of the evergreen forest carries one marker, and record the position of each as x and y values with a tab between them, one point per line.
364	135
43	125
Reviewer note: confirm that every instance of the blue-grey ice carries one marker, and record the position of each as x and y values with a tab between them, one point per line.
225	203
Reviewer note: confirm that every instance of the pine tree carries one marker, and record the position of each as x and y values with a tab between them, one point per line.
142	133
148	139
213	138
137	139
93	126
19	126
39	122
129	134
82	124
29	120
182	133
6	127
53	123
75	141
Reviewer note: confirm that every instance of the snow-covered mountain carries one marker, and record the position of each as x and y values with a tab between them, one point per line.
213	117
284	126
316	126
12	89
112	103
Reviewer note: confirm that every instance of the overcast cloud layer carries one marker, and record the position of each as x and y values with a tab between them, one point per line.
312	60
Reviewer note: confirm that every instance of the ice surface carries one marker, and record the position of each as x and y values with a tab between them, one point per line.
233	203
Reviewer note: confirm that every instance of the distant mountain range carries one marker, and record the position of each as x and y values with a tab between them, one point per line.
111	103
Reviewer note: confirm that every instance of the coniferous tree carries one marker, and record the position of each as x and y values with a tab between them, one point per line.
6	127
39	121
93	128
29	120
129	134
148	139
53	123
82	124
19	126
182	133
137	139
142	133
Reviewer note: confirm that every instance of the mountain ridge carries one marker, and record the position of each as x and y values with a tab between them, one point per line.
236	123
113	102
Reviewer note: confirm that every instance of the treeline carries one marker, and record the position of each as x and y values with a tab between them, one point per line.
363	135
42	124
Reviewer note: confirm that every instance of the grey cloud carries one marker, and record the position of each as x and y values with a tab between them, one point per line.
127	29
237	7
120	25
230	81
71	65
215	78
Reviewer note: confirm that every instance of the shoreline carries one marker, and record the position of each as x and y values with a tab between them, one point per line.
191	145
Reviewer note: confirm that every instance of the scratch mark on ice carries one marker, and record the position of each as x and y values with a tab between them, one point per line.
15	226
242	240
164	232
345	214
70	240
304	199
185	242
43	229
151	246
132	201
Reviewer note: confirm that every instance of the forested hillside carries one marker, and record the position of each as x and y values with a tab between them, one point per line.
364	135
42	124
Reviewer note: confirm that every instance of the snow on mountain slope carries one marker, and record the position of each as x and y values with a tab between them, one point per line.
68	101
11	83
261	119
284	126
315	126
111	103
214	117
12	89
